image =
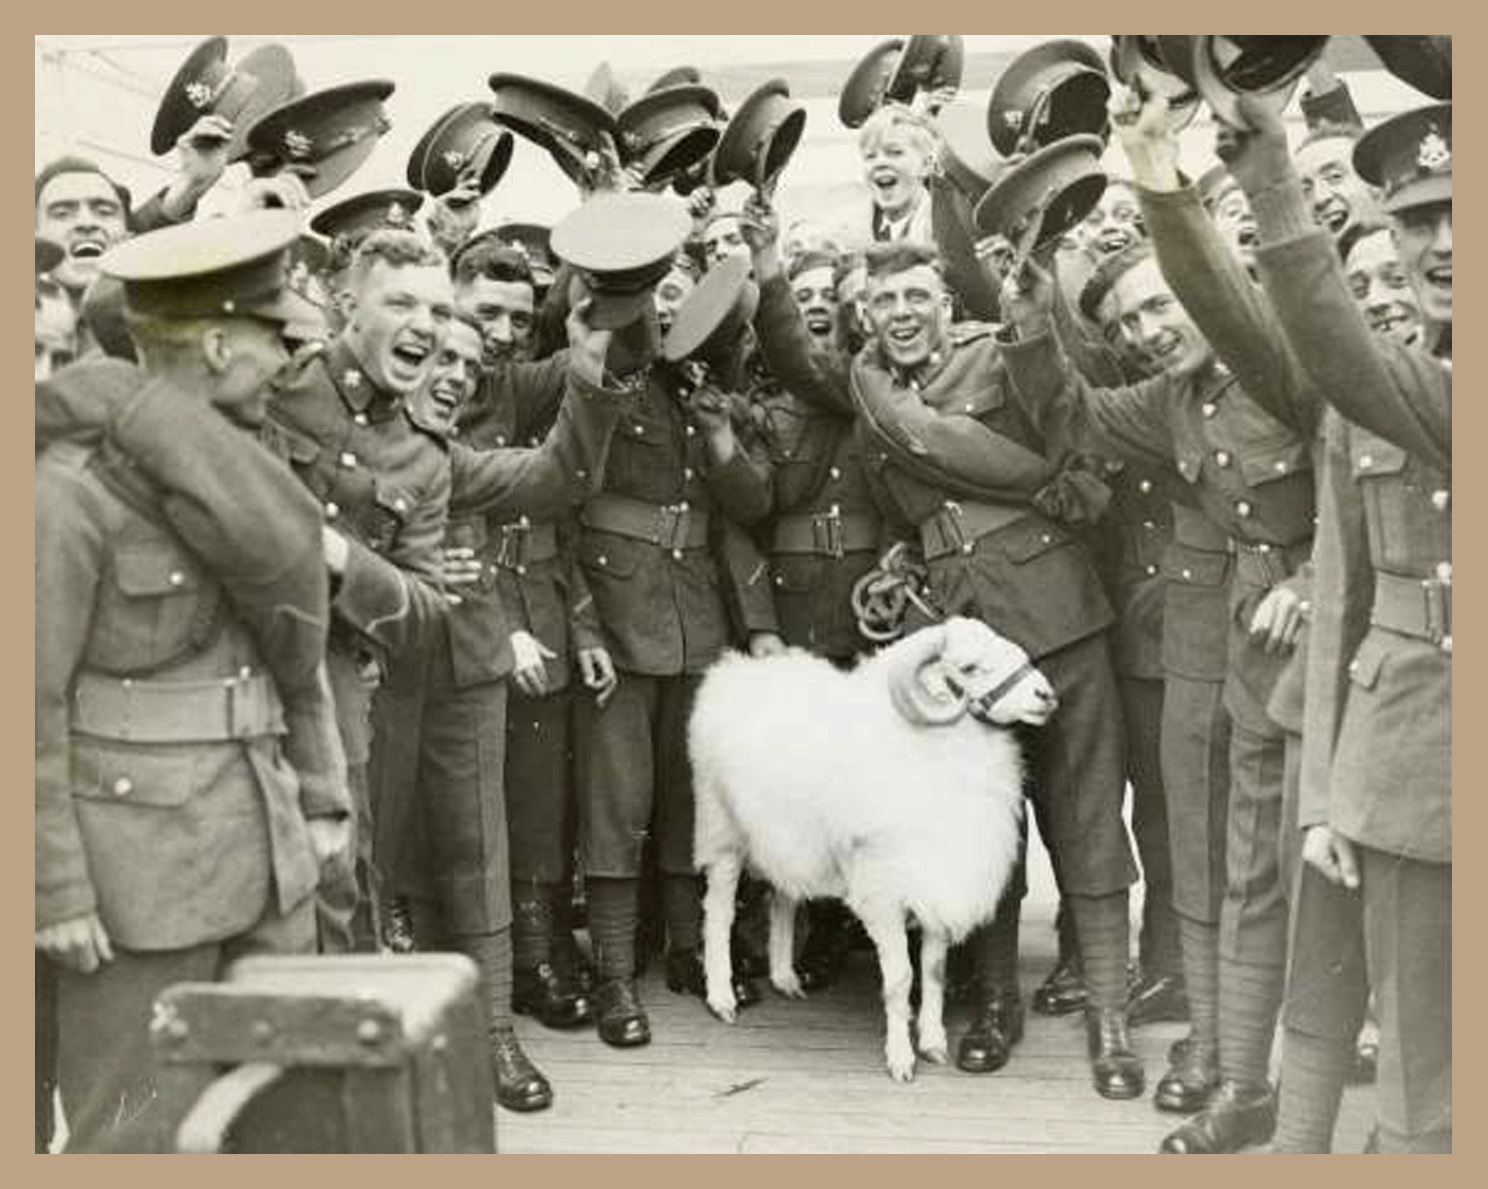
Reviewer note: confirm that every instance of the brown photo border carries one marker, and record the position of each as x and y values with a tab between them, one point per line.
717	1172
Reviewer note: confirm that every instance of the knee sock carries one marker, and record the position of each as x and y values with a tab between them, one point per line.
1104	932
1313	1070
533	913
1064	929
996	946
1249	999
1200	940
614	909
492	955
683	908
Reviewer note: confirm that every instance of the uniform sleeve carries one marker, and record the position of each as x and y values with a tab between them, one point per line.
1128	421
69	562
1232	312
150	215
584	627
742	485
1342	593
312	744
544	482
799	366
745	575
1401	394
535	390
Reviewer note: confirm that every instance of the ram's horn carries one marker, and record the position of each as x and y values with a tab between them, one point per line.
908	692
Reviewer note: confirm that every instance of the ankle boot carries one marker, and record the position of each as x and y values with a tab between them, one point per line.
1237	1117
1115	1067
520	1086
622	1019
544	993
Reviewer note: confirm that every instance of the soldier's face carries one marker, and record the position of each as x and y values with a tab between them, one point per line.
398	315
721	239
1423	238
909	312
246	356
457	369
1115	221
1236	223
895	164
83	214
1121	338
1380	287
816	296
670	294
1162	332
1338	196
56	333
506	312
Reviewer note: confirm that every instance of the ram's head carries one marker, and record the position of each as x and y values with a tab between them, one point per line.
941	673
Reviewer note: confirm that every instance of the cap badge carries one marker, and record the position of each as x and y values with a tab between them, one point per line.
455	160
1434	154
397	216
351	378
199	95
298	145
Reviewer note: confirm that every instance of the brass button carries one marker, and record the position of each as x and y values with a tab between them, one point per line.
682	507
360	418
1446	645
348	460
1366	461
687	472
968	547
692	429
1046	538
1281	466
332	510
835	472
1444	571
676	555
523	522
1151	569
1208	408
176	578
123	787
639	430
400	504
1144	486
779	581
521	570
1149	525
971	408
1187	574
1441	499
501	439
602	560
1243	508
1222	457
1263	547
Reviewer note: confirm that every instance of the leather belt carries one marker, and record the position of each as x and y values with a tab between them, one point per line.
523	543
137	711
827	534
672	526
955	527
1260	563
1419	607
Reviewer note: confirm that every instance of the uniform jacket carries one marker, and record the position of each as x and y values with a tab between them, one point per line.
517	404
1197	566
171	843
667	610
816	466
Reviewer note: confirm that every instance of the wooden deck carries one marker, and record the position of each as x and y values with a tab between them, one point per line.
795	1077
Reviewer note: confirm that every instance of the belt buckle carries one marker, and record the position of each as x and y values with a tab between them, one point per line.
672	533
1437	598
949	520
826	531
515	538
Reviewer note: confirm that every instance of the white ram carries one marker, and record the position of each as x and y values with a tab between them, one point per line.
895	787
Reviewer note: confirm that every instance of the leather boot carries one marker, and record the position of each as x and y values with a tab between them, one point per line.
1063	992
1236	1117
998	1026
1157	998
544	993
572	966
622	1019
1190	1081
685	976
1115	1067
520	1086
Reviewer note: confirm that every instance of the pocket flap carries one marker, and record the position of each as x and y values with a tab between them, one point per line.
1195	567
288	442
611	555
1371	456
1030	537
1364	669
1266	464
154	569
158	774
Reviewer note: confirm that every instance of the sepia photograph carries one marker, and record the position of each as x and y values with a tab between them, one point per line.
762	594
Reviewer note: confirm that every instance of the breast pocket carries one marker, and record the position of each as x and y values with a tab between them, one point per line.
1269	462
1394	504
385	516
158	608
642	460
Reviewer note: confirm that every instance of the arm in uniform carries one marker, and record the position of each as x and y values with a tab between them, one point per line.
1402	394
787	346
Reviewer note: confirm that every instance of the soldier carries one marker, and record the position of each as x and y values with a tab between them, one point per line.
1252	477
1378	694
189	780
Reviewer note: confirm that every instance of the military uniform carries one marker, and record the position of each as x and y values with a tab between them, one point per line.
1378	707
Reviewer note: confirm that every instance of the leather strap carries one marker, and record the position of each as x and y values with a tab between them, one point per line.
1418	607
143	711
827	534
1262	564
524	543
671	526
957	525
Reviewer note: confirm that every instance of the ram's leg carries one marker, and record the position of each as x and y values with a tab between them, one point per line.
783	945
885	924
930	1028
718	923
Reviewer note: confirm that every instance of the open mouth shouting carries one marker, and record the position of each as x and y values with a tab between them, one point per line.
1393	318
818	321
408	359
1112	239
86	248
1333	214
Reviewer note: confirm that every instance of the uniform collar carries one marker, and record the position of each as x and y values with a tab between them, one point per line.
357	390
